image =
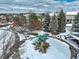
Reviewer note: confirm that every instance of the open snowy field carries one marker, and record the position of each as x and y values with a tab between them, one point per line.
57	50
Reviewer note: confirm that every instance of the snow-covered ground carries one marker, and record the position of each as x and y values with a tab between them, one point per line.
57	50
78	56
5	36
68	33
68	29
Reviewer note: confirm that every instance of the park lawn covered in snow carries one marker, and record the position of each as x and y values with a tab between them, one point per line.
56	50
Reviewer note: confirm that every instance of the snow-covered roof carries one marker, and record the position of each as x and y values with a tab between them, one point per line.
67	13
68	24
71	13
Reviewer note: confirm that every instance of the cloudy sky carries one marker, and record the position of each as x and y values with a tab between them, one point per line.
39	5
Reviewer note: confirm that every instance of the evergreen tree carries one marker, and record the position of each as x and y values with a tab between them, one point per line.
46	23
77	17
61	21
42	16
54	24
76	24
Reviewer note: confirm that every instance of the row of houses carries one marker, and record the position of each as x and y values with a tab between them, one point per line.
70	16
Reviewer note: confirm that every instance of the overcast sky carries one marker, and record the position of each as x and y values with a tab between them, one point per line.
39	5
3	1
